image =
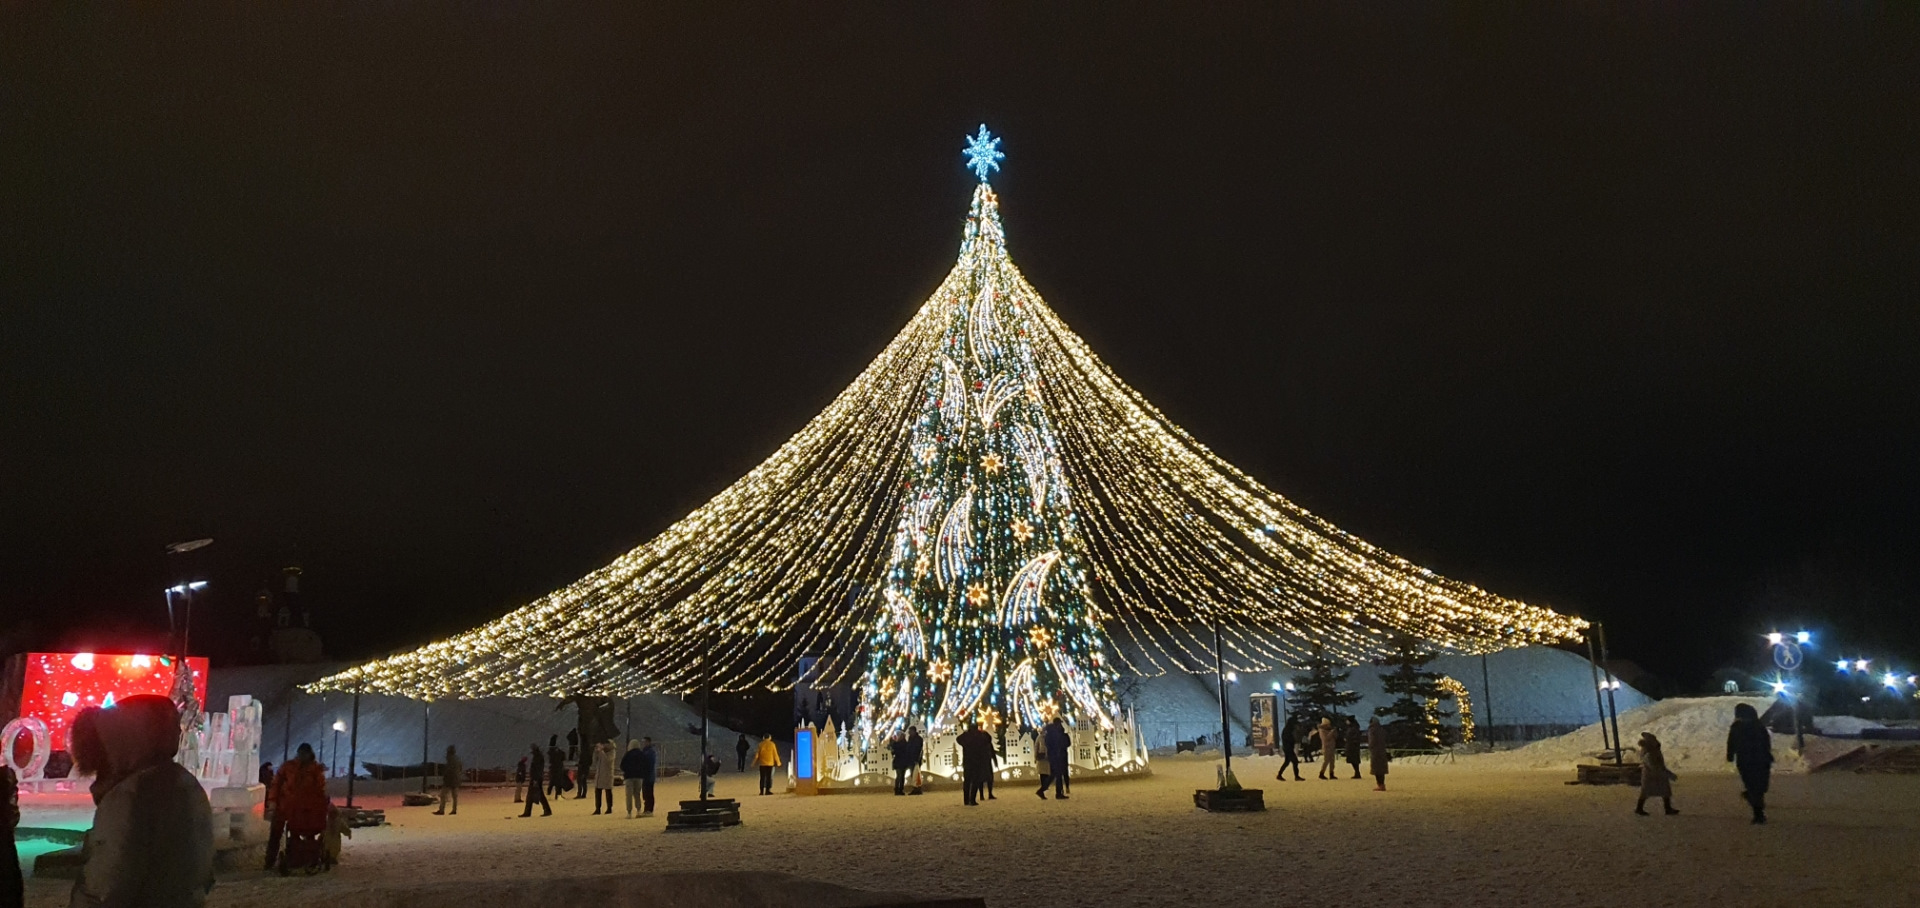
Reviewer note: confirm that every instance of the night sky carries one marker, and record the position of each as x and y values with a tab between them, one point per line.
1610	308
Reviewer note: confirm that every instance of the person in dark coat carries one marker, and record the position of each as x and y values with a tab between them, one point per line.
902	762
451	773
1057	753
1350	743
554	757
637	767
13	891
266	773
916	754
1750	750
976	763
1377	753
520	781
556	771
537	782
741	748
1289	749
1656	780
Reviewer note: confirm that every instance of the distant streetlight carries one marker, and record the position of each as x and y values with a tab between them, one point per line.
1775	638
1861	664
1840	664
338	727
1803	637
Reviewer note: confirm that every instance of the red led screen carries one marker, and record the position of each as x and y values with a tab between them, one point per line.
59	685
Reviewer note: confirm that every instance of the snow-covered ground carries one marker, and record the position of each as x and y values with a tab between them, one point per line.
1440	836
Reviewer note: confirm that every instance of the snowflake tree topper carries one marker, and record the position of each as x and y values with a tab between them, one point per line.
983	153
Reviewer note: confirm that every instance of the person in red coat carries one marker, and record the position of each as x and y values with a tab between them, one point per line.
300	801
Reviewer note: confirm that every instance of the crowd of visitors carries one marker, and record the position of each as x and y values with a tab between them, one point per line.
151	841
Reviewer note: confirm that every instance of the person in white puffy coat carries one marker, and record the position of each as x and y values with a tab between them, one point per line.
151	844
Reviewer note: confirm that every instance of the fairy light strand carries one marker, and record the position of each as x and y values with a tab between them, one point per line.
1167	539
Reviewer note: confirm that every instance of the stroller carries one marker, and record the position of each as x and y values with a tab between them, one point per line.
312	840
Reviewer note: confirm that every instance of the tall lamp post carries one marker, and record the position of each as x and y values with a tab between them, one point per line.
333	759
1226	731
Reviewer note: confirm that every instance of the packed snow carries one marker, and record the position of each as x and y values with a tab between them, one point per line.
1436	837
1843	725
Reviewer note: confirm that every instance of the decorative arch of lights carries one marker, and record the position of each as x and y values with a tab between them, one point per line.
794	558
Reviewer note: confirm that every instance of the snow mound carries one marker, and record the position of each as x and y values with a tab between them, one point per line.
1843	725
1692	733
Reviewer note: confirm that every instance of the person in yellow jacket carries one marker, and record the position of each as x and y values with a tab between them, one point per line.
767	757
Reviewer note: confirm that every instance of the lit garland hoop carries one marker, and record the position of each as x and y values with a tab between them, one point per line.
792	558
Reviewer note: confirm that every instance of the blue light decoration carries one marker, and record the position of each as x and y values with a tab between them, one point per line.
983	153
803	754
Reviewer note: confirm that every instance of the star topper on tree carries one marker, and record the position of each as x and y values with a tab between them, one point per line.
983	153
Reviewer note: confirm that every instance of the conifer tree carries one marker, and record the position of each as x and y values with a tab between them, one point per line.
1414	715
1318	692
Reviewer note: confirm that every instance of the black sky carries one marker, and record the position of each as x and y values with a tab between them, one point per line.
1611	306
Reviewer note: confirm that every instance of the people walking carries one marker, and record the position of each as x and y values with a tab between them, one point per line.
902	762
450	777
740	749
603	776
767	758
1350	743
520	780
556	768
976	763
916	754
1329	748
1750	750
152	836
1041	764
583	772
538	781
1377	754
637	768
1656	780
1289	749
1059	746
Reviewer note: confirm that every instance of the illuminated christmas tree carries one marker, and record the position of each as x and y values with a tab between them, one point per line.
986	523
987	612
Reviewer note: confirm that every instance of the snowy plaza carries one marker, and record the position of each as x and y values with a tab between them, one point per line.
1441	835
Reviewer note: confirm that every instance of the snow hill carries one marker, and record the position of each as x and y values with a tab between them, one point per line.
1692	733
490	732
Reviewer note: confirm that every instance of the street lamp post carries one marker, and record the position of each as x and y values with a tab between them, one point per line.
1220	671
333	759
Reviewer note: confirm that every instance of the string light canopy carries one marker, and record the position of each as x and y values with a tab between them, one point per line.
987	525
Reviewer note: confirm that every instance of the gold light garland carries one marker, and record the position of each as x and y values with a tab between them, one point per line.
786	560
